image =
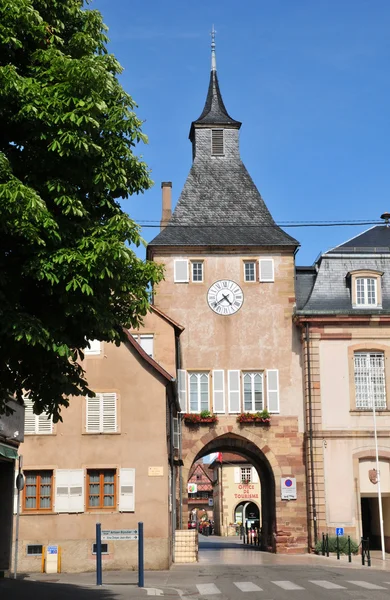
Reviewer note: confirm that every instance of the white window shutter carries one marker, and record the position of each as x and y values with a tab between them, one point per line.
237	475
234	391
219	391
16	494
146	342
182	389
273	390
94	347
176	433
76	491
44	424
255	476
93	419
61	502
181	271
109	412
266	270
29	417
127	490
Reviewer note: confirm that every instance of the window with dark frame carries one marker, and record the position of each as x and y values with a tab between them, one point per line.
197	271
250	271
34	549
104	548
37	493
101	489
246	474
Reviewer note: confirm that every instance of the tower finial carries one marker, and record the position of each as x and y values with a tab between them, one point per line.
213	59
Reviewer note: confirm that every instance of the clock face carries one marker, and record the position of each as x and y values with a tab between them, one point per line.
225	297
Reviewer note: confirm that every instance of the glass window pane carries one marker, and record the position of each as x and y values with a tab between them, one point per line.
250	271
31	502
194	393
108	500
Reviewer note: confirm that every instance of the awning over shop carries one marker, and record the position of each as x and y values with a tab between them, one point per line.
8	452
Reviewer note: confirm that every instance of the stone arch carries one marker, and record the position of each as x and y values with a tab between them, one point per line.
262	459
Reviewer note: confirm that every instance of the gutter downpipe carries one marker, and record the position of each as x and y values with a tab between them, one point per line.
178	366
313	496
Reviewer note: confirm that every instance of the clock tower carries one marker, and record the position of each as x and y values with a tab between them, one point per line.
229	280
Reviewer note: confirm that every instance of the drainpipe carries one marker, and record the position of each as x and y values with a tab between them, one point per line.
313	495
178	366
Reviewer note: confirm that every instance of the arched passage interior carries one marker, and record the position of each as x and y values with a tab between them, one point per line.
253	454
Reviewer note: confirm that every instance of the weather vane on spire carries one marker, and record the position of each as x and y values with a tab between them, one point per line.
213	59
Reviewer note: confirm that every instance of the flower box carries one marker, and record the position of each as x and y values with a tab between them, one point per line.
198	419
263	418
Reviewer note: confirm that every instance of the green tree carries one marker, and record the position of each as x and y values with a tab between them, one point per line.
67	135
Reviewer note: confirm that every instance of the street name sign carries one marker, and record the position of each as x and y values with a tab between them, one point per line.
119	534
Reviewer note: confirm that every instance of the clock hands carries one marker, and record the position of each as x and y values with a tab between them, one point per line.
225	298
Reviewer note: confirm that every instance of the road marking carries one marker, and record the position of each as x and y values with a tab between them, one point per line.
288	585
154	592
247	586
206	589
367	586
328	585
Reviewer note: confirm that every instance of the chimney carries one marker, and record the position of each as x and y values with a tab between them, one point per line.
166	203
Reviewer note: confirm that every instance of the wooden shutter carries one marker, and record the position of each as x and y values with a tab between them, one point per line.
109	413
146	342
255	476
94	347
44	424
181	271
127	490
182	389
234	391
29	417
273	390
219	391
76	491
237	475
217	148
266	269
61	502
176	433
93	414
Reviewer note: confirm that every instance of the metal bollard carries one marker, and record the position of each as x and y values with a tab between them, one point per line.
140	555
338	547
323	545
349	549
99	577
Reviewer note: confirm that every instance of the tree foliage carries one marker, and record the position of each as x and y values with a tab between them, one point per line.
67	137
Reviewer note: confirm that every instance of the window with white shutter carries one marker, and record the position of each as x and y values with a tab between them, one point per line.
181	271
36	424
182	389
273	390
255	476
237	475
198	386
127	490
69	491
94	347
234	391
101	413
176	433
266	269
219	391
146	342
253	391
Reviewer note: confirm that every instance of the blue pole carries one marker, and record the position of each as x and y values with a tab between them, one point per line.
140	555
98	554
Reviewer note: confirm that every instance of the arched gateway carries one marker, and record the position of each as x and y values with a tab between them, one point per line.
239	445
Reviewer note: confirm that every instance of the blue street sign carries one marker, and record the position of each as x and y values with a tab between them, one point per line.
339	530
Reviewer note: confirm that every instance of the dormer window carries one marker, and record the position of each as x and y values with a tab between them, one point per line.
217	146
366	289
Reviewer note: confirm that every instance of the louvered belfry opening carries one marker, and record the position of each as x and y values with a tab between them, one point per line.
217	148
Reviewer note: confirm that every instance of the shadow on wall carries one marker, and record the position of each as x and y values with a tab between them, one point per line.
20	590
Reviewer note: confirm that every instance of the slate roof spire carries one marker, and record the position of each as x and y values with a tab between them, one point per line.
214	111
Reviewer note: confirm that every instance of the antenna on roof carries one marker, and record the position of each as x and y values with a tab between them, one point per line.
386	217
213	58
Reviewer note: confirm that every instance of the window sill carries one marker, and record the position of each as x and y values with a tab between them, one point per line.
34	513
40	434
101	433
368	412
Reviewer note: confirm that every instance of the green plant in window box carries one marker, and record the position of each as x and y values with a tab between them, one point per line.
258	417
204	417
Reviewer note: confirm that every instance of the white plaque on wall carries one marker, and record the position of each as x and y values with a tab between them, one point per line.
288	488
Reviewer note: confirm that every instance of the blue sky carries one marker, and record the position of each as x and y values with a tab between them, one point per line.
308	79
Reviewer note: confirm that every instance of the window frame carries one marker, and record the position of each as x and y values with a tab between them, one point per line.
255	269
252	375
102	431
91	351
28	405
198	374
244	477
101	506
34	546
102	545
193	263
368	355
38	473
366	274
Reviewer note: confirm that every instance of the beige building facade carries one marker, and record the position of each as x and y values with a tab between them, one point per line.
346	346
110	461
